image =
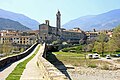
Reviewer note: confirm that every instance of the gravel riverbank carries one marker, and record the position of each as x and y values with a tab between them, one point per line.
81	73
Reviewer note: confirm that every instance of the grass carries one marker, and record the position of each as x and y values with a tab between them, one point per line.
70	54
17	72
78	59
92	65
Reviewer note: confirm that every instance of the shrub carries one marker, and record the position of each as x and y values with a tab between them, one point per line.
76	49
105	67
68	49
92	65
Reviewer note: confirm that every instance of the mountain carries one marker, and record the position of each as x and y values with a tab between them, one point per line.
10	24
104	21
26	21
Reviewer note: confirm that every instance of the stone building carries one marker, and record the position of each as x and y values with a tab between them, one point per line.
92	35
14	37
49	33
72	36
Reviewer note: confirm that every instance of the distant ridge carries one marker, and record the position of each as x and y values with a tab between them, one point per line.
104	21
6	24
24	20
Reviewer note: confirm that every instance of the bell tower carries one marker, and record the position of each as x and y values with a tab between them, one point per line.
58	20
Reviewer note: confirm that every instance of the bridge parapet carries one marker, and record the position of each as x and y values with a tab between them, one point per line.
50	72
11	59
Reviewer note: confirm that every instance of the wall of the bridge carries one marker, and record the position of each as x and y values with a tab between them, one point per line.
8	60
49	71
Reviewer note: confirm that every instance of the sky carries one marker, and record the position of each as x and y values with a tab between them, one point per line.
42	10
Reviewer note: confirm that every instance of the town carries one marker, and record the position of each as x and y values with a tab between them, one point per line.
49	34
58	44
90	47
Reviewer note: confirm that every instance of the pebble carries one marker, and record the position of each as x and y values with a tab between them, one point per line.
81	73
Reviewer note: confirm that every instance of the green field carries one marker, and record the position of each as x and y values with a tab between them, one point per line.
76	59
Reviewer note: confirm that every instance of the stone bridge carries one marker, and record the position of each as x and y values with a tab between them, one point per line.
39	68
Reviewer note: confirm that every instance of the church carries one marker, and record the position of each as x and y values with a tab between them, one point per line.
49	33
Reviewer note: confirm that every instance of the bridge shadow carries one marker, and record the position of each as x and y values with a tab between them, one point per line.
58	64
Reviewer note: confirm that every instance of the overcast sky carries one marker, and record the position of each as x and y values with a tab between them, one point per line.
41	10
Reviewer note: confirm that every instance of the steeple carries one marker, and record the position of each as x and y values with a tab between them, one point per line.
58	20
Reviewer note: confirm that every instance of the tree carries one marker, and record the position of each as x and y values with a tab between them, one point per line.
100	44
7	48
116	37
57	42
1	50
88	47
111	46
22	49
97	47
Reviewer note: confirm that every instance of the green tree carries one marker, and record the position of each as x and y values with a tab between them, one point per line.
90	47
97	47
116	37
7	48
57	42
22	49
1	50
100	44
111	46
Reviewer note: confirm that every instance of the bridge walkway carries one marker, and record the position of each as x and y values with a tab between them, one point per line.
5	72
32	71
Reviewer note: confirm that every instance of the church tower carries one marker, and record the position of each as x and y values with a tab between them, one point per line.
58	20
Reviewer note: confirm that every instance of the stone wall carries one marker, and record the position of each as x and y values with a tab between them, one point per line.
11	59
49	71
